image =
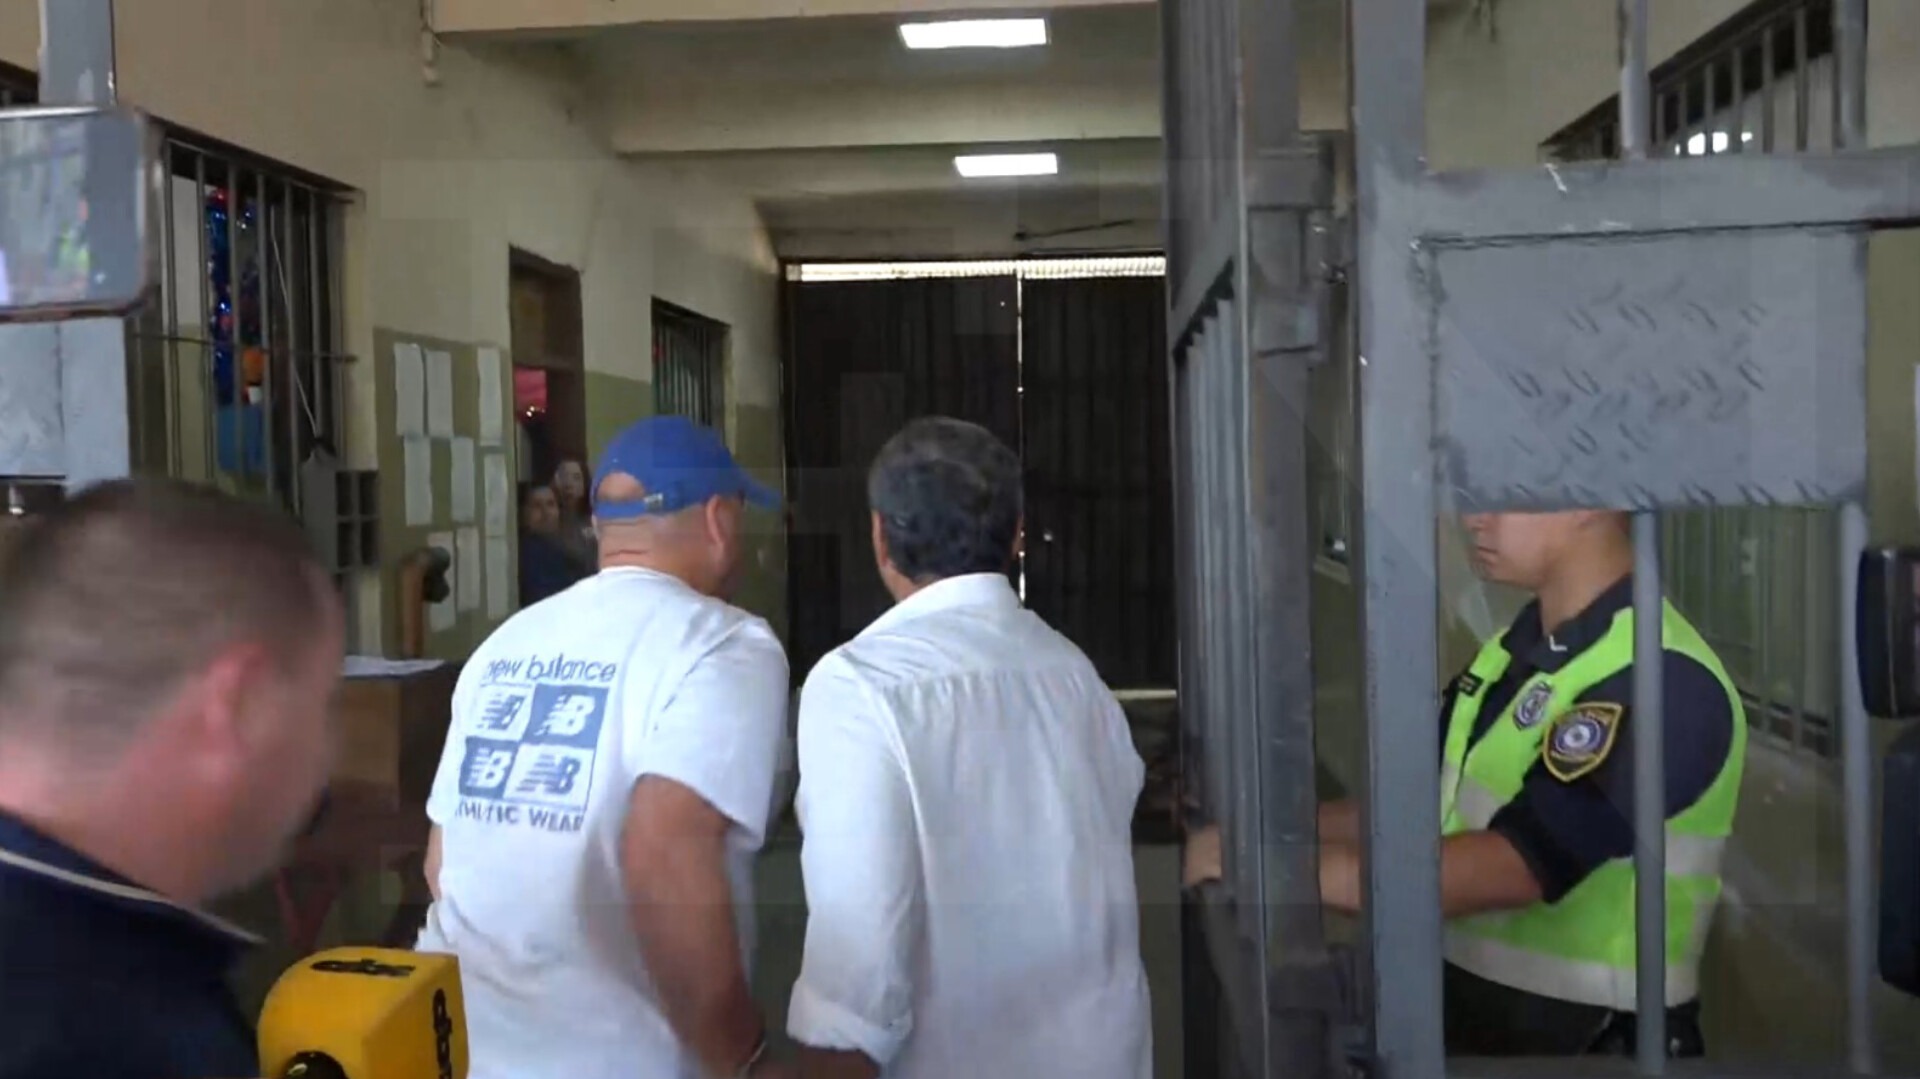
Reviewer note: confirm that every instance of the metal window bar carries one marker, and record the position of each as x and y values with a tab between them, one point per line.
689	355
237	360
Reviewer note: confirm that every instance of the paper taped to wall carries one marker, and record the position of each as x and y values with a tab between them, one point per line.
493	405
409	391
461	501
442	616
416	458
467	553
440	394
499	578
498	493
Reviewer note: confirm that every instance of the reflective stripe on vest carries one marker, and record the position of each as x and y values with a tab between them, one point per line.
1687	855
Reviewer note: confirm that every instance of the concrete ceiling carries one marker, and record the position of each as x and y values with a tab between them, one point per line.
837	130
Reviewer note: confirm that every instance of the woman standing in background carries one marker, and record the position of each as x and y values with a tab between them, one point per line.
575	534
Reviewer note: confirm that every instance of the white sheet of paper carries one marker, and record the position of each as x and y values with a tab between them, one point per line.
382	667
409	391
499	578
461	501
417	466
468	558
493	403
440	394
441	616
498	493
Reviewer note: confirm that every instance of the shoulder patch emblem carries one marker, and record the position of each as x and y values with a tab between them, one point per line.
1533	705
1580	740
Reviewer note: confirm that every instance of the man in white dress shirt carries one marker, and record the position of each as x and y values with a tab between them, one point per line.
967	784
605	786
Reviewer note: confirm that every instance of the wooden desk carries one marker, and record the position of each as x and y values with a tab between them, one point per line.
375	820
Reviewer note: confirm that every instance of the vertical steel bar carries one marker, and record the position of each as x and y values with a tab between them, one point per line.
236	347
1850	92
1802	94
1649	801
263	316
209	392
1396	575
170	316
282	239
1649	764
1275	296
1709	101
319	340
1737	135
77	68
1769	64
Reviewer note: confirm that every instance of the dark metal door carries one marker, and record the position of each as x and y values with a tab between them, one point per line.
1629	335
863	357
1099	497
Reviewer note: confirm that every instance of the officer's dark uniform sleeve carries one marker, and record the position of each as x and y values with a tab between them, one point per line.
1566	830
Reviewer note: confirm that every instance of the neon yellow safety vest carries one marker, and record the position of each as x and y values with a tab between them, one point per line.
1581	949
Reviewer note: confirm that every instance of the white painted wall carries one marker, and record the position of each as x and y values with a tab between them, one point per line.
451	175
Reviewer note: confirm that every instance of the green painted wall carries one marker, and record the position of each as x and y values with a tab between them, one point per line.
753	431
613	402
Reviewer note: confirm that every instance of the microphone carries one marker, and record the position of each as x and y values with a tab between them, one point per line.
366	1013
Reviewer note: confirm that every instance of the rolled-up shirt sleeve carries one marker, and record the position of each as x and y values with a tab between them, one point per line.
860	861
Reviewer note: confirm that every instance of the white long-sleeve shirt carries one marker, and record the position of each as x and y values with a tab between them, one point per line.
967	786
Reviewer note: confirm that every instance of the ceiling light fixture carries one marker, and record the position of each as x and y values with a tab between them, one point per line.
989	166
975	34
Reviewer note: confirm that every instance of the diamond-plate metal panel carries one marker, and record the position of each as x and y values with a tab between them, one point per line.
30	423
1725	368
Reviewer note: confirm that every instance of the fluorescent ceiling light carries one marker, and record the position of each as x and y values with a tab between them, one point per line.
974	34
986	166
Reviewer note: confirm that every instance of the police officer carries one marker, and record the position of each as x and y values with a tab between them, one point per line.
1537	876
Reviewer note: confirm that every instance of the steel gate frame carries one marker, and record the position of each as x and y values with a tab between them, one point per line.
1243	195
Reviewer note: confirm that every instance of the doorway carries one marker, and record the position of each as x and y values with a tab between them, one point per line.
549	366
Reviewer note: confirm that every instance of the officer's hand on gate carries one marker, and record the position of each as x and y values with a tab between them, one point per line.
1200	859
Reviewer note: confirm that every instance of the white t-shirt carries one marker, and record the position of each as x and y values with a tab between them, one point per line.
967	786
555	718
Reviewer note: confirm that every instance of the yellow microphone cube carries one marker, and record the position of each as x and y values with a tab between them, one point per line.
367	1013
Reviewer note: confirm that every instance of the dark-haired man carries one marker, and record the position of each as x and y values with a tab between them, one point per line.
966	788
162	737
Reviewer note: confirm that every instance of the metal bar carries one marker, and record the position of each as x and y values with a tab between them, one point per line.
263	314
1855	189
1649	802
170	300
236	350
281	251
1649	757
1802	103
1273	270
1395	561
209	393
1737	135
1856	748
1769	63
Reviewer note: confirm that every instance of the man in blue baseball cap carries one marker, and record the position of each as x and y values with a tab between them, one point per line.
606	782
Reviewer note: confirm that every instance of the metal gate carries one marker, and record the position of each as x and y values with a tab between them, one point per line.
1093	401
863	357
1633	335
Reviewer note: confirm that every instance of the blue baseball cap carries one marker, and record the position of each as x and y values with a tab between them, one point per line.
678	464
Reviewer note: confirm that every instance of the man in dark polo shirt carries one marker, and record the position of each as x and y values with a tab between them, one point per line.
167	659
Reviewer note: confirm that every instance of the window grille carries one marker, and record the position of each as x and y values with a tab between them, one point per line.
689	365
